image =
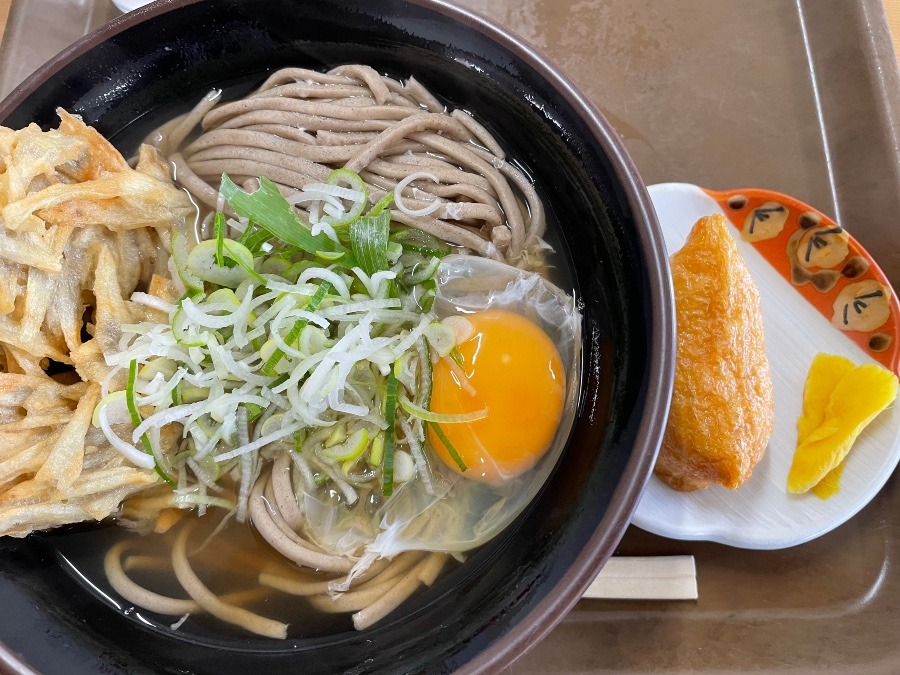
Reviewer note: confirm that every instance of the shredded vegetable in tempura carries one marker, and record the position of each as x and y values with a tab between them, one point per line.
79	231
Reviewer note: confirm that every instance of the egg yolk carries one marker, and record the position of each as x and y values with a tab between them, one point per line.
511	368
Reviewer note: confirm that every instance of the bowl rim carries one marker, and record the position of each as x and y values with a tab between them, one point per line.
659	376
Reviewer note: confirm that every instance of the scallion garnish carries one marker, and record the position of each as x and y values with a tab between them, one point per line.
357	185
439	418
369	237
225	369
255	240
452	451
136	419
219	233
234	254
294	334
456	356
390	412
418	241
272	212
382	204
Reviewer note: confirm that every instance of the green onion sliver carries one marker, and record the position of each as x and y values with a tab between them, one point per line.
191	282
269	368
234	252
390	413
132	405
456	356
428	416
255	240
419	241
422	271
248	232
206	500
369	238
271	211
356	183
136	420
452	451
219	232
382	204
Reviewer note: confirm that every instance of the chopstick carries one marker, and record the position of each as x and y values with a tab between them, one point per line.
646	578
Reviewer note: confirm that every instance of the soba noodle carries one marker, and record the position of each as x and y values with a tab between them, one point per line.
301	123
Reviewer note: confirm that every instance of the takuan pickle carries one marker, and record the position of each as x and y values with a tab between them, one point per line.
840	399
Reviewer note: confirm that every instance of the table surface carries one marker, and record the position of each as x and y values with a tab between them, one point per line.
892	7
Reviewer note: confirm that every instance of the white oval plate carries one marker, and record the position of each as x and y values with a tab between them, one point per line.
761	514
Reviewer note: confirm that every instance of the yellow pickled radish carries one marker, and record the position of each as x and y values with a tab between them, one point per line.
824	374
831	484
860	394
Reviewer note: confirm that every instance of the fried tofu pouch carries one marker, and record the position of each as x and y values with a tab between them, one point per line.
723	408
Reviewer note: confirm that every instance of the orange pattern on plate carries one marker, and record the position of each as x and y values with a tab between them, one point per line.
826	265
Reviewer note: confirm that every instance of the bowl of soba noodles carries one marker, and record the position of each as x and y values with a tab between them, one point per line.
335	336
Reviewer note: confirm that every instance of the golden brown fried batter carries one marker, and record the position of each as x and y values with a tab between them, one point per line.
80	231
723	410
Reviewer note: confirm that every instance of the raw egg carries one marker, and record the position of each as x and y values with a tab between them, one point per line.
511	368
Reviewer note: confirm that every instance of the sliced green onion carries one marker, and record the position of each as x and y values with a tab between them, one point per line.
219	231
247	233
440	418
369	238
198	500
330	256
441	338
225	296
456	356
133	411
338	435
429	292
350	450
382	204
209	466
272	362
275	265
136	420
157	365
452	451
117	412
377	452
422	271
390	413
253	412
182	334
191	282
190	394
235	252
356	183
202	263
295	270
254	242
419	241
272	212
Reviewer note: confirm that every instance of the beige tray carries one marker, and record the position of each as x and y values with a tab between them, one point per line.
799	96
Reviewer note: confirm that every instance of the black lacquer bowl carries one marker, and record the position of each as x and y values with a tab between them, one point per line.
137	71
